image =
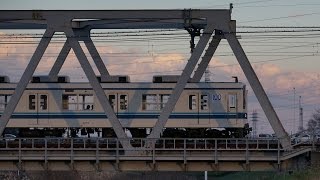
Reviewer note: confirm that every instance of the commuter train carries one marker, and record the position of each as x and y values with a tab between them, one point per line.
53	108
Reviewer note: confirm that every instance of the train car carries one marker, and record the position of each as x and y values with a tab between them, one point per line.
202	110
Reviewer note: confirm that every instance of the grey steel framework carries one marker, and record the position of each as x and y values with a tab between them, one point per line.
212	154
76	24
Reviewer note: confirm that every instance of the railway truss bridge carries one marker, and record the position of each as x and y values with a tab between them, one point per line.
132	154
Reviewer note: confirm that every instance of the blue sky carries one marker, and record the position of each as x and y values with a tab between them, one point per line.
279	77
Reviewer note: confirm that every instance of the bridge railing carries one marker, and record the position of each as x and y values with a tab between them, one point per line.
304	138
141	143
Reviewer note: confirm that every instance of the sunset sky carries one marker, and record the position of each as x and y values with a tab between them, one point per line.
282	60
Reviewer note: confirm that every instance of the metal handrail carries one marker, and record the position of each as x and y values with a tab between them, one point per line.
141	143
98	149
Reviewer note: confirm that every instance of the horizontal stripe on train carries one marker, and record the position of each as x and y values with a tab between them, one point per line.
128	116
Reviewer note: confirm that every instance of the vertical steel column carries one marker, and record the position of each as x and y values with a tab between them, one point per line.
21	86
258	90
71	155
97	154
215	152
213	45
185	76
20	154
101	96
46	152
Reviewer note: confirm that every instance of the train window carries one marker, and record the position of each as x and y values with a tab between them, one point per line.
85	102
193	103
4	99
232	100
112	100
123	102
43	102
149	102
65	101
32	102
72	102
77	102
204	102
163	100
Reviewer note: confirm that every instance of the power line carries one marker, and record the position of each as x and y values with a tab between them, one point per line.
236	3
278	27
280	5
282	17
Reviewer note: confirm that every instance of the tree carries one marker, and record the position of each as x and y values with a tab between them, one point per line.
314	122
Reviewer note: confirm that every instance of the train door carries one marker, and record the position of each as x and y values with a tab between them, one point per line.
38	104
119	102
199	106
232	103
204	109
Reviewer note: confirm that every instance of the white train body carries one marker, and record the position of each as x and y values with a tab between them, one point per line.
137	105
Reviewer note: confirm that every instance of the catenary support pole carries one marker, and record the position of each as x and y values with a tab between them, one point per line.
25	78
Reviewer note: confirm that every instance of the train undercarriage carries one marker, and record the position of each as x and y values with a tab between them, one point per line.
131	132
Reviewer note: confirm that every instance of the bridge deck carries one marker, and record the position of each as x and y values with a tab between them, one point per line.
149	154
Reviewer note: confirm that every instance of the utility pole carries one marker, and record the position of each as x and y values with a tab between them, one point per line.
300	115
254	116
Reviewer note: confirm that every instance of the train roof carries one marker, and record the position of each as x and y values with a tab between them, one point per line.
133	85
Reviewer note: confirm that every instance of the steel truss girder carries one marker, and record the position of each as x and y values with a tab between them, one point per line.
185	76
101	96
219	15
26	76
213	45
92	50
108	24
64	52
116	19
73	43
258	90
219	19
96	58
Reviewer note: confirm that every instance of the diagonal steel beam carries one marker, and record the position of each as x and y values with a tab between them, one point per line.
258	90
185	76
25	78
60	60
101	96
96	57
92	50
213	45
